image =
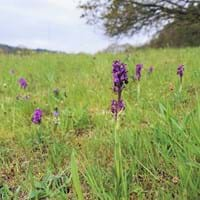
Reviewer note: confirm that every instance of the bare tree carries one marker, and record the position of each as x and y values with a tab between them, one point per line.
126	17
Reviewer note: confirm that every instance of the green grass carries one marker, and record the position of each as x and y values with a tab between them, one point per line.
152	152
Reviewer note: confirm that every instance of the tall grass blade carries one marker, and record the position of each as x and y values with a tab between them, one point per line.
75	177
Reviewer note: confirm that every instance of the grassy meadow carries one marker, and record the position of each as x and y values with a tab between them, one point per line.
151	152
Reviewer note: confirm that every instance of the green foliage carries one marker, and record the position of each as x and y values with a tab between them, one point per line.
174	35
51	186
131	16
75	177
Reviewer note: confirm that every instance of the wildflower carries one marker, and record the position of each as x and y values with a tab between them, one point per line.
150	71
23	83
37	116
180	71
56	113
56	116
138	71
120	79
117	106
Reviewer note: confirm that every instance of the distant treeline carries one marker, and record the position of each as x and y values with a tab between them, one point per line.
6	49
173	35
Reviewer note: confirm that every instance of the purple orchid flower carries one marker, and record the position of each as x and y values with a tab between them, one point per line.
120	79
37	116
116	106
23	83
138	71
180	71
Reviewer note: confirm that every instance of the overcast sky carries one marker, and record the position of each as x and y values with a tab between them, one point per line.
51	24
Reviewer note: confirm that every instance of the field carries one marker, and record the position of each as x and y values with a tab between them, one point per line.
151	152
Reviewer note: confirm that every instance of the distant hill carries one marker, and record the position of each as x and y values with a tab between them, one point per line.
21	49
